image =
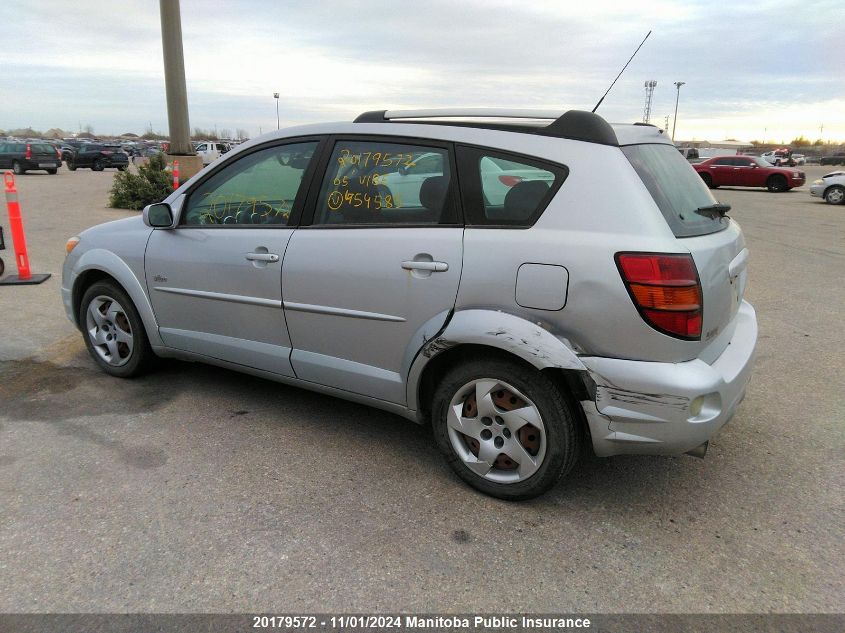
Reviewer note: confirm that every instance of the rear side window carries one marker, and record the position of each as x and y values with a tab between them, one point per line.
43	148
676	188
381	183
505	190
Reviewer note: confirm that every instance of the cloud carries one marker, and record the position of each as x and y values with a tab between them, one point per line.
100	62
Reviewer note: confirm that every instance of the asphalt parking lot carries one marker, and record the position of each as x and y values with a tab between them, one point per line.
198	489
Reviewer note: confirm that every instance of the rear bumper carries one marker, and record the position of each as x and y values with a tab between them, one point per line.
668	408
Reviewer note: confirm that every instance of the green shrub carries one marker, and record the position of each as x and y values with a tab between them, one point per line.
135	191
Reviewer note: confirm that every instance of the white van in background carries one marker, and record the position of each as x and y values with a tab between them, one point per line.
211	151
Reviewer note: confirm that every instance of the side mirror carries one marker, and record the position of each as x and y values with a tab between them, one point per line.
158	216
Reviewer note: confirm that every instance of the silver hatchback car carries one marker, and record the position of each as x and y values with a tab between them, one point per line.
528	283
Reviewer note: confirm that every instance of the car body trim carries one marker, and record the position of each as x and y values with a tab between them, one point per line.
219	296
355	314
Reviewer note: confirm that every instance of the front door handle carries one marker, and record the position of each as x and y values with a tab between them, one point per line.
262	257
434	267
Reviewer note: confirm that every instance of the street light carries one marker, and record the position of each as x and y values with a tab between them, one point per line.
678	85
276	97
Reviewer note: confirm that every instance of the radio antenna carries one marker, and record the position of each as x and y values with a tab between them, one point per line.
621	71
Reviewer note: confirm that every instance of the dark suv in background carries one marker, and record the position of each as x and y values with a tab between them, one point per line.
22	156
98	156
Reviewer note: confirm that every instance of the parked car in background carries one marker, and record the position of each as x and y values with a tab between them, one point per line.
831	187
834	159
210	151
98	156
69	148
800	159
519	326
778	157
747	171
22	157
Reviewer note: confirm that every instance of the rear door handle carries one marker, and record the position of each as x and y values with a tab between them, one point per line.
262	257
435	267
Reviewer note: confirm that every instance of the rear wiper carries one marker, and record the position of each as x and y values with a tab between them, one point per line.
714	211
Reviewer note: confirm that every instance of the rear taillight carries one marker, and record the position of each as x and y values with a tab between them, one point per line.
28	154
107	152
510	181
59	153
666	291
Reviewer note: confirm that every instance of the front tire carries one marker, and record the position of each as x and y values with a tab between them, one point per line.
71	165
18	168
98	165
505	429
835	195
113	330
777	184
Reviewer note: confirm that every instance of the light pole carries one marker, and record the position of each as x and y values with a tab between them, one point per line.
678	85
276	97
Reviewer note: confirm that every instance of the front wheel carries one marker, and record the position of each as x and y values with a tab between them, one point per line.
835	195
506	430
98	165
777	184
18	168
71	165
114	332
122	168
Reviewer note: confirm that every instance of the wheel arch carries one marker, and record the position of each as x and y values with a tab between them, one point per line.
471	333
98	265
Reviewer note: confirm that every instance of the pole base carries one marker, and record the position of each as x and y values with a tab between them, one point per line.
14	280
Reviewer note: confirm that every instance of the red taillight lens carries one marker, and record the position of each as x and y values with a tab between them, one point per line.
58	153
107	152
28	154
666	290
510	181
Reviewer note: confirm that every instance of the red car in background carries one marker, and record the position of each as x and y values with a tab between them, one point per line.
747	171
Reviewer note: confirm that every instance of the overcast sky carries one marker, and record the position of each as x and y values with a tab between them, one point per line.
754	69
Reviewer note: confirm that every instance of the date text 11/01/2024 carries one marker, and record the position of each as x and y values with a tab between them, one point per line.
419	622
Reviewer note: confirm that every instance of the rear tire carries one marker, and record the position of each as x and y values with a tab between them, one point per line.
52	172
777	184
71	165
122	168
835	195
18	168
113	331
708	180
488	444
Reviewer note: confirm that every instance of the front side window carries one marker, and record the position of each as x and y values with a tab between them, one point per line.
507	190
375	182
258	189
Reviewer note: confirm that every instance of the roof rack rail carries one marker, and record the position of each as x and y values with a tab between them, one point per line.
577	125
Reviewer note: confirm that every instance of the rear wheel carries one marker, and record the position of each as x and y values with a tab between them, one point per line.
122	168
835	195
98	165
114	332
777	184
708	180
506	431
18	168
52	172
71	165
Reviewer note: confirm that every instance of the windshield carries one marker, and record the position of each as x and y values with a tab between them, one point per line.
676	188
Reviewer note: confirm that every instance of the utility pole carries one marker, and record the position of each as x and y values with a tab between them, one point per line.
174	81
678	85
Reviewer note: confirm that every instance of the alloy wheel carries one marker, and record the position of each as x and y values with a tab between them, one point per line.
496	431
109	330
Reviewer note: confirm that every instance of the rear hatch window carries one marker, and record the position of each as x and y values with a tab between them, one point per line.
676	188
43	148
